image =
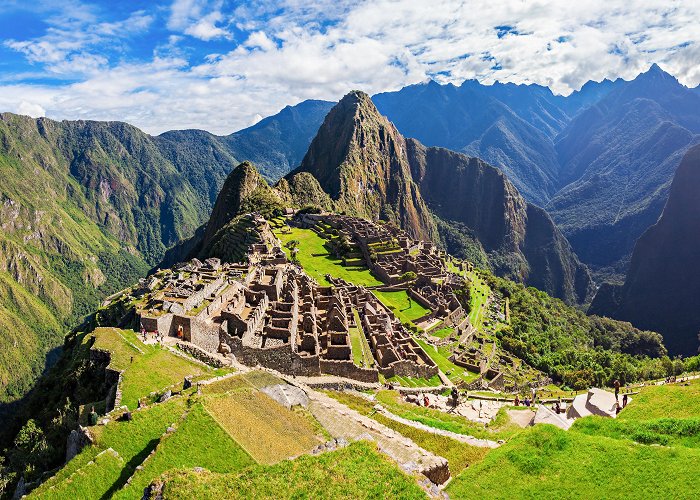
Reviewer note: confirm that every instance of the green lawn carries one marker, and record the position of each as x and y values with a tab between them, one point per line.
661	431
355	472
152	369
546	462
479	294
361	352
198	442
442	333
90	481
266	430
416	382
441	357
317	262
406	310
668	400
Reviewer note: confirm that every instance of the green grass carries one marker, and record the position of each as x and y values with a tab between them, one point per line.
433	381
663	431
658	401
479	295
153	369
133	441
90	481
407	311
459	455
357	471
265	429
441	357
198	442
442	332
253	379
546	462
361	352
317	262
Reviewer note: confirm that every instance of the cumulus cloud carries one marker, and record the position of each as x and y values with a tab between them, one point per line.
269	54
30	109
198	18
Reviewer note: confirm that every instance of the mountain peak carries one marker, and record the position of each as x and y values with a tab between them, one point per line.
359	159
242	184
656	74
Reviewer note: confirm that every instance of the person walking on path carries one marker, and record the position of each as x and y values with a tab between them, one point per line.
617	388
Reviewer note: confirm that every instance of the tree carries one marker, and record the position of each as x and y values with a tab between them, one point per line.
409	276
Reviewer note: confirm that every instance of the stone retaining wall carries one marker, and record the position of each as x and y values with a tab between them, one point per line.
348	369
200	354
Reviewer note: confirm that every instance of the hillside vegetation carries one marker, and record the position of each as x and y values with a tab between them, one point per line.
86	208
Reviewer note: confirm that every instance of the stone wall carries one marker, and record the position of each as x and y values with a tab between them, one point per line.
277	358
200	354
406	368
348	369
204	335
161	324
198	297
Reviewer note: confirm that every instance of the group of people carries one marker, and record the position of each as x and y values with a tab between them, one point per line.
528	401
158	336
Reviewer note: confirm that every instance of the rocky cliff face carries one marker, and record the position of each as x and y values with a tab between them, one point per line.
663	283
520	239
359	159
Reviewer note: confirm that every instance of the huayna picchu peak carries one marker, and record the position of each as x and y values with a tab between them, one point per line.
359	159
225	274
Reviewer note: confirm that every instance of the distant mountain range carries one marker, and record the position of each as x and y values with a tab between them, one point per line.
600	160
360	165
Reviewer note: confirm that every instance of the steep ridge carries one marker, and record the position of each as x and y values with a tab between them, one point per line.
471	119
663	282
617	161
245	190
359	159
520	239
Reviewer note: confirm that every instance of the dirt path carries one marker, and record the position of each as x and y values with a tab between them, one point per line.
342	422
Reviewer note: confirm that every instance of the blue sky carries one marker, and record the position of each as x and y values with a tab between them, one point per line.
221	65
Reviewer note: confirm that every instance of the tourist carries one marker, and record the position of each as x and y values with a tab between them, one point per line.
527	401
617	388
426	401
624	400
92	417
516	402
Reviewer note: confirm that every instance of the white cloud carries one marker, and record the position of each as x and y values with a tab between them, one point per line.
30	109
295	50
188	17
